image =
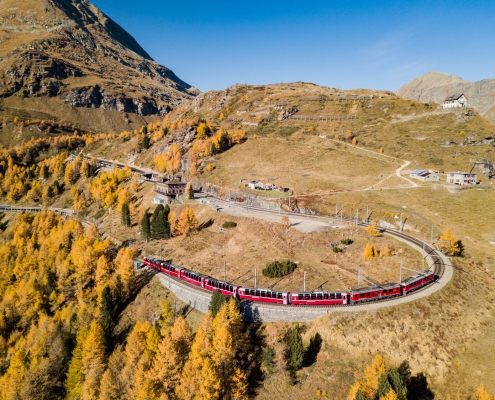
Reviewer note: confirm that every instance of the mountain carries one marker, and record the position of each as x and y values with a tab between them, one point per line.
436	86
67	52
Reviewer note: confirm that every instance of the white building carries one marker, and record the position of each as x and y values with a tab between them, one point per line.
461	178
424	175
455	101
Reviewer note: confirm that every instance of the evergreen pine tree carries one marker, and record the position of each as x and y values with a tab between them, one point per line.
145	143
126	215
360	395
157	223
383	386
224	142
397	384
106	308
56	187
145	226
296	349
217	299
191	193
49	192
45	174
118	293
267	360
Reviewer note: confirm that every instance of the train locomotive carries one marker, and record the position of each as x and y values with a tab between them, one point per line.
314	298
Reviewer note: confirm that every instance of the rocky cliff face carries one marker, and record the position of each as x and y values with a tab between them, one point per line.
436	86
70	50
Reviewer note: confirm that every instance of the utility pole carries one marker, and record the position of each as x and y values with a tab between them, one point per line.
424	256
431	236
400	224
342	213
367	214
336	210
225	271
304	282
255	276
357	216
400	279
359	277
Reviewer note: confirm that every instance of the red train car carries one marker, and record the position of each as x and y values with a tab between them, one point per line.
320	298
224	287
375	293
264	295
416	281
192	277
162	266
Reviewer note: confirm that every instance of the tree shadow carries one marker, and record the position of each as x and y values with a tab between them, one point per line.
417	385
206	224
312	351
257	340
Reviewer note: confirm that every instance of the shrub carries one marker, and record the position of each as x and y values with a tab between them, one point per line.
277	269
347	241
229	224
337	249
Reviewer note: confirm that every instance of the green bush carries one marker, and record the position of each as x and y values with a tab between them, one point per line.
347	241
277	269
229	224
337	249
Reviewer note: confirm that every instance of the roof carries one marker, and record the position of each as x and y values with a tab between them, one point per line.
417	276
454	97
462	173
417	171
373	288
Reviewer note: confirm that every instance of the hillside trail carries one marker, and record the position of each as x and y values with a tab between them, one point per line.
417	116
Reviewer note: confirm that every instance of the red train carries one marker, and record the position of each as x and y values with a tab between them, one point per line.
315	298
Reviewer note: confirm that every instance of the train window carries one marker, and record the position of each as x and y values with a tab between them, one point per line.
319	296
279	295
300	296
257	293
263	294
325	296
306	296
313	297
339	296
332	296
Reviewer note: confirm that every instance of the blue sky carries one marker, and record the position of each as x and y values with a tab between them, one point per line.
343	44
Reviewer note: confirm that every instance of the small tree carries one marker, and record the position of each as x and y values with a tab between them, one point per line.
383	386
450	244
385	252
145	226
373	230
126	215
45	173
145	142
106	309
267	360
190	192
216	302
369	251
296	349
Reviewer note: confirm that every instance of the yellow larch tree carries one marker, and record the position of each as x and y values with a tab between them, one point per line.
93	362
372	374
187	221
482	394
372	229
369	252
449	243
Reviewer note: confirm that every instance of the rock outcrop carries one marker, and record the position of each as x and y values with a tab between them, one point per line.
436	86
70	50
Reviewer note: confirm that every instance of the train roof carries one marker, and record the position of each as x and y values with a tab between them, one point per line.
375	287
265	290
417	276
321	291
220	281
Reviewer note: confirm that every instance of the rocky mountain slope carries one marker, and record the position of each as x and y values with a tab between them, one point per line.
435	86
69	50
